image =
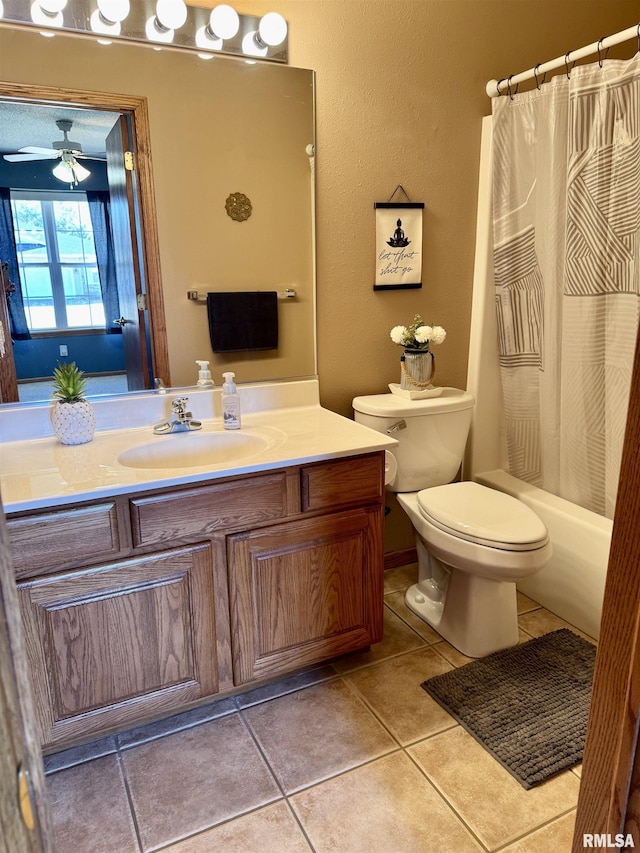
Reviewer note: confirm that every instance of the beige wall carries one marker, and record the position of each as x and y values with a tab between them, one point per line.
400	95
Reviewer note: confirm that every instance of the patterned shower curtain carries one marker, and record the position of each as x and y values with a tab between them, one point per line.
566	217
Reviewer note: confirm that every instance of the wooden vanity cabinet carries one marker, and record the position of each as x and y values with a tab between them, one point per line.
161	600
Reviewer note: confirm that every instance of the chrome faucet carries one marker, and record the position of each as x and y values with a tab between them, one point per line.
183	420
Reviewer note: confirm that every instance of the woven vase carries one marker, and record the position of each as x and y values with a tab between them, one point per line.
416	369
73	423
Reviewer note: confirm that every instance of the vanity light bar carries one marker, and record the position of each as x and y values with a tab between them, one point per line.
156	23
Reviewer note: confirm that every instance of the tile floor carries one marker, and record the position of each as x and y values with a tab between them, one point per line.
352	757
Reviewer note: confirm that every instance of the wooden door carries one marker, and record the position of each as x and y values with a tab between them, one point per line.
111	645
128	259
19	748
8	379
304	591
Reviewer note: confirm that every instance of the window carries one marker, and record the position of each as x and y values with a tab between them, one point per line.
57	261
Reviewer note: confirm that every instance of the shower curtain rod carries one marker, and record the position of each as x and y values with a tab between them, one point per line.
493	86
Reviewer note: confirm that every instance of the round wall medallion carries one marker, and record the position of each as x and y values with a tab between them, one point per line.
238	207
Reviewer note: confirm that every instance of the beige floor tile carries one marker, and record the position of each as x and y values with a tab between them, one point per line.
272	829
398	638
175	723
398	580
524	604
392	690
189	781
317	732
90	809
395	601
386	806
556	837
542	621
492	803
451	654
285	685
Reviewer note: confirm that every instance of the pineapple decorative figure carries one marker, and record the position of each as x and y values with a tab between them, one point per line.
72	417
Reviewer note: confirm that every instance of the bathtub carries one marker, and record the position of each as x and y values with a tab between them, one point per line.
572	584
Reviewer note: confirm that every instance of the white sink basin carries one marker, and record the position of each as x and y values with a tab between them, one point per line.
193	450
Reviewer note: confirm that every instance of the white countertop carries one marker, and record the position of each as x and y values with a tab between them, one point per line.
40	472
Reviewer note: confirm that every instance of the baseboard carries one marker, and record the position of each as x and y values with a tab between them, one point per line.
393	559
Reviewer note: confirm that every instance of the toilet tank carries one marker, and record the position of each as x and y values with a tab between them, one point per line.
431	446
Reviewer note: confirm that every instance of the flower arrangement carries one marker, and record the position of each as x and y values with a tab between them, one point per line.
418	335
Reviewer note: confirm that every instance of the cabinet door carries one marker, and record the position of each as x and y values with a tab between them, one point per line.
111	645
305	591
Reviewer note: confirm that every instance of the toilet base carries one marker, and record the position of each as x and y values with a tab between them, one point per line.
477	615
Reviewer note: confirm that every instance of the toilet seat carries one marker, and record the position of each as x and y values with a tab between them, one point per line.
484	516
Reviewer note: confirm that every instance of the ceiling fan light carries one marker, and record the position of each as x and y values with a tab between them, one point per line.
70	171
224	22
171	13
1	9
114	11
272	29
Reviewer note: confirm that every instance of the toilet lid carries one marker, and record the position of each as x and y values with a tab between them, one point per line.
479	514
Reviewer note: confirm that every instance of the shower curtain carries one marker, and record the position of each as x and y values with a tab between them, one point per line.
566	221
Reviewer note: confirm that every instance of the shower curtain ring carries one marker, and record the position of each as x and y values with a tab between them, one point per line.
509	92
602	59
502	79
638	35
566	64
535	74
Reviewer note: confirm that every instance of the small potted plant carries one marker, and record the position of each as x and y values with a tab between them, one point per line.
72	417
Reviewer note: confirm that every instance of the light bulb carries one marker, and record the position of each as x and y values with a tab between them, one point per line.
52	7
99	24
114	11
251	46
43	18
205	41
224	22
154	32
272	29
171	13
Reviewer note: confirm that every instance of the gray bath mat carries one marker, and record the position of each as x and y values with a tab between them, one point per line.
527	705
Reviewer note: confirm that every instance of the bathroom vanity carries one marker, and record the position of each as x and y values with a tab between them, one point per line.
148	591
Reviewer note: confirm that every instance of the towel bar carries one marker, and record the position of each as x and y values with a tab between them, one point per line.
195	296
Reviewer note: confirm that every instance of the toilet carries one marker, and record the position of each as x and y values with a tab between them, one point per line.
473	543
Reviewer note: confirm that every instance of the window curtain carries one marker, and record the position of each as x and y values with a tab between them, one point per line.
17	318
566	217
99	210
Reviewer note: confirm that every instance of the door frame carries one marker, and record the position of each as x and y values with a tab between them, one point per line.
136	107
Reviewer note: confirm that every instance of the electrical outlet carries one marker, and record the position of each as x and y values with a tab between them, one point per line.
64	350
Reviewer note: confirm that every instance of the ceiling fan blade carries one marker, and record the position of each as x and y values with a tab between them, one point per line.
35	149
90	157
22	158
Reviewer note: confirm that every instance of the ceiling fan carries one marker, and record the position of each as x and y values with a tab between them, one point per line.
66	150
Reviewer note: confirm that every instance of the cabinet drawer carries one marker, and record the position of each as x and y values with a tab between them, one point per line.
198	513
342	482
41	544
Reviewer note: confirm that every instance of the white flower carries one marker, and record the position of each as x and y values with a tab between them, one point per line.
398	334
438	335
424	334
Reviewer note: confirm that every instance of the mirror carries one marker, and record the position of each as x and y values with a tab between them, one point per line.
217	128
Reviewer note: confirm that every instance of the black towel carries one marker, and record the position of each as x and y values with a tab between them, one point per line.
243	321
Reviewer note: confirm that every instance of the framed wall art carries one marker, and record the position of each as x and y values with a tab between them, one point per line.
398	244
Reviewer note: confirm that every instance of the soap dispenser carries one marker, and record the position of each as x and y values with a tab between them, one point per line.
230	403
204	374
